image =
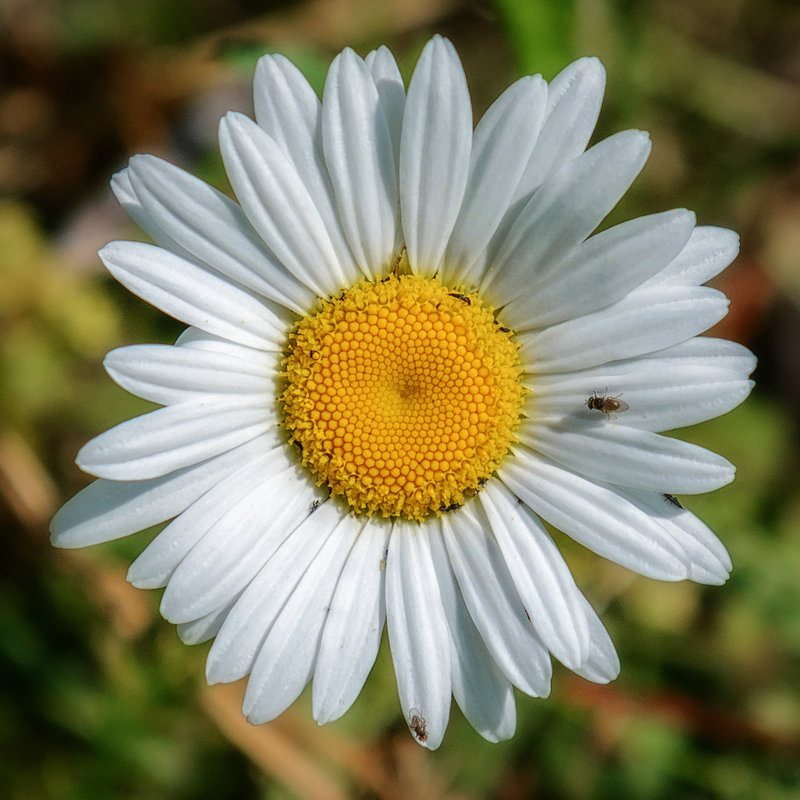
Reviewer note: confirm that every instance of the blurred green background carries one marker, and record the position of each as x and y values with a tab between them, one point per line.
99	699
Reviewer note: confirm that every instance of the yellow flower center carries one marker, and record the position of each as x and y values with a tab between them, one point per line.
402	395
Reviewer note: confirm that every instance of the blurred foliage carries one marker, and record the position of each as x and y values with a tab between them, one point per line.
100	700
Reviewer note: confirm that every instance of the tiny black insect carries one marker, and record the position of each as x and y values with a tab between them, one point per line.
608	405
461	297
451	507
673	500
418	724
482	481
314	506
504	329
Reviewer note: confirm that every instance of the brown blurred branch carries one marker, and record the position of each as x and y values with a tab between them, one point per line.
679	710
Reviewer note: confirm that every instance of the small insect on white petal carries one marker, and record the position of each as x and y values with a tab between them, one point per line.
417	724
608	405
672	500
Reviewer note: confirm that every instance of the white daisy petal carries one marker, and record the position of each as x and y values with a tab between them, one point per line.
706	254
288	109
434	154
173	437
602	270
352	633
206	627
628	456
239	640
707	352
543	580
573	104
279	205
391	91
196	339
484	695
210	226
595	515
188	292
154	566
503	139
166	374
107	510
644	321
574	97
660	396
602	665
285	662
493	602
360	158
544	233
123	190
418	633
221	564
709	560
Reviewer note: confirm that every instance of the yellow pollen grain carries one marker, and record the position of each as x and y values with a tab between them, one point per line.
402	397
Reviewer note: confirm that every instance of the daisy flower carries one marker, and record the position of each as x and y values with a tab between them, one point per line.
405	353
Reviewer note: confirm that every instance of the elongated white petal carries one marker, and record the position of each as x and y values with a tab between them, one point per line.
574	97
239	640
434	154
658	398
173	437
352	633
107	510
573	104
706	254
196	339
154	566
494	603
602	270
213	229
501	145
279	206
289	111
709	561
235	548
206	627
392	92
595	515
717	354
418	633
123	190
565	210
194	295
166	374
360	157
643	322
541	577
628	456
286	660
602	665
483	693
